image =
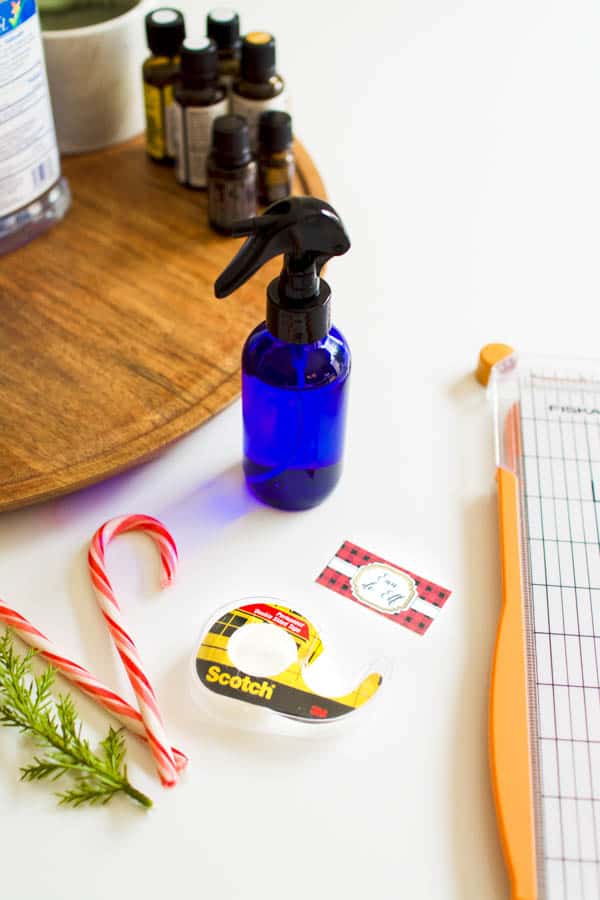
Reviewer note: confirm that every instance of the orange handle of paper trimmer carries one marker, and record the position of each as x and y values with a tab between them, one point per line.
509	723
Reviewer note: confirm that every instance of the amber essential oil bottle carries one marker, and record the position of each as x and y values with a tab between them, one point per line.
223	27
275	156
165	31
199	100
259	87
232	174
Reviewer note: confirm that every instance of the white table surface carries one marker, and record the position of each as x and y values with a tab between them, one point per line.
460	143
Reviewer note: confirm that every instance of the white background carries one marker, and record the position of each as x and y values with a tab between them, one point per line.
460	144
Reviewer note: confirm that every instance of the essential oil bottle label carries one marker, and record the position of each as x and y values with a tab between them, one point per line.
160	127
29	160
169	120
193	131
155	121
253	109
177	132
276	182
231	200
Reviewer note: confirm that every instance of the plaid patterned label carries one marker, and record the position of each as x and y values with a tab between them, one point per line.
390	590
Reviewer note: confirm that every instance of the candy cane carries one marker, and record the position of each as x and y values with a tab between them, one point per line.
147	702
80	677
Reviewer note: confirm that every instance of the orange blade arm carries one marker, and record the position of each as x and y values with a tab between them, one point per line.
509	722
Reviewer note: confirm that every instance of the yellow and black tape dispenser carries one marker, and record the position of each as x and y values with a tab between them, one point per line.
286	693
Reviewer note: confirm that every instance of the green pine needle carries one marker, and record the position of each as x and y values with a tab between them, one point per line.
27	704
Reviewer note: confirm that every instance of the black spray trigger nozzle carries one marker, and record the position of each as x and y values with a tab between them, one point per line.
245	227
305	230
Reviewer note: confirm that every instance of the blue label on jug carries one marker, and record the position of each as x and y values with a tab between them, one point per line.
13	13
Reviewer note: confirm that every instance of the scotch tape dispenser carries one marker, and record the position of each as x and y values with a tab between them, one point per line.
252	669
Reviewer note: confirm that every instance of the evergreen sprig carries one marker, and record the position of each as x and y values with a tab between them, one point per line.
28	704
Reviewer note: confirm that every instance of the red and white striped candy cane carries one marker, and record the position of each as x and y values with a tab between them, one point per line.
147	702
80	677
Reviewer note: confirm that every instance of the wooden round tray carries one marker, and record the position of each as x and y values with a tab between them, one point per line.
112	344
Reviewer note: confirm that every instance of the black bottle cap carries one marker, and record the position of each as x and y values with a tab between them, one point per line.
165	31
223	26
308	232
231	141
198	61
275	131
258	57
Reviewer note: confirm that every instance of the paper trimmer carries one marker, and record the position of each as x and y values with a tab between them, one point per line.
545	696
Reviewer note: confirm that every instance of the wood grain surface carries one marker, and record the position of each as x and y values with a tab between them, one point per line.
111	342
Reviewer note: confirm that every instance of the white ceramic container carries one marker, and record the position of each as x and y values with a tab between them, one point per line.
95	81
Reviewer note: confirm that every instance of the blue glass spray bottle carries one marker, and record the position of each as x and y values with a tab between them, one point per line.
295	365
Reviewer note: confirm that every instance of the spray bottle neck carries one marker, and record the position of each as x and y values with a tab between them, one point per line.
299	278
299	319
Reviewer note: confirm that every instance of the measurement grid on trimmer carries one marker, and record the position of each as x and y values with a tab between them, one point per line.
560	431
